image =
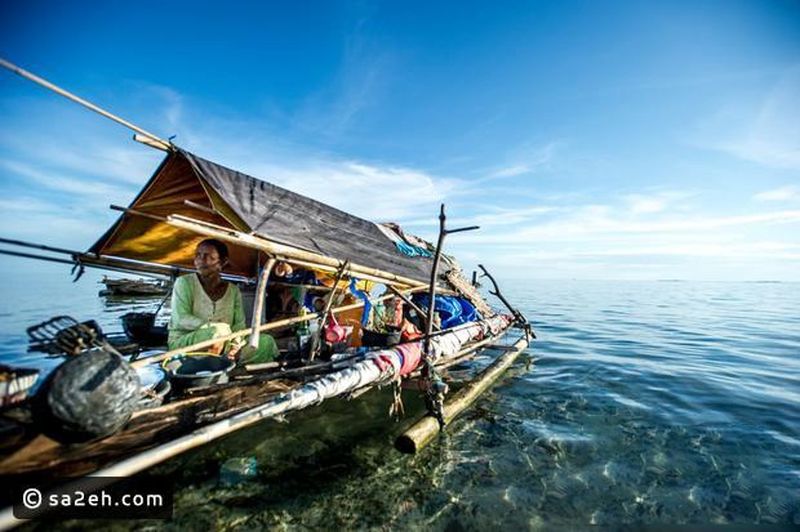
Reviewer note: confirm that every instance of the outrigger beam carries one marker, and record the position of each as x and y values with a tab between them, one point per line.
422	432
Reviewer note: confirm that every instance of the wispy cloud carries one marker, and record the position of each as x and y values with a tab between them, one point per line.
63	140
524	159
780	250
495	217
359	84
654	202
91	189
518	225
787	193
511	171
772	136
372	191
24	204
597	221
55	223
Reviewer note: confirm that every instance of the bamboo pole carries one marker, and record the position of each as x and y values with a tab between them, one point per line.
228	229
258	306
194	205
307	287
155	140
37	257
316	340
147	141
104	262
274	248
436	388
42	247
286	252
262	328
426	351
422	432
518	316
361	276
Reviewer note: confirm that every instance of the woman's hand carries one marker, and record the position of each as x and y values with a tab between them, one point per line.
233	352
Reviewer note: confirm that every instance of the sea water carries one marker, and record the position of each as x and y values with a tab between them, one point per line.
646	403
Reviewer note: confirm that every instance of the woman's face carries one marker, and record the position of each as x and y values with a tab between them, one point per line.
207	260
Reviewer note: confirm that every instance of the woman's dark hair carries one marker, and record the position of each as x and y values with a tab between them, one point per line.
222	249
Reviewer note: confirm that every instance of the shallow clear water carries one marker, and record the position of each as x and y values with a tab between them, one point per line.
647	402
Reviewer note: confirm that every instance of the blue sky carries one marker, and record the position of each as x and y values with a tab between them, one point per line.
602	140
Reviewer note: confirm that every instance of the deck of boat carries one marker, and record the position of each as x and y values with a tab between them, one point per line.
37	454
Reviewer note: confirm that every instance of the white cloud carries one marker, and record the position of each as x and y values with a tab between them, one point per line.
90	189
374	192
786	193
642	205
511	171
496	216
525	159
24	204
652	226
594	222
777	250
772	136
655	202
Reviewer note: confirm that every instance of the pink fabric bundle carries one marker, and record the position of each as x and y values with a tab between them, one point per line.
412	353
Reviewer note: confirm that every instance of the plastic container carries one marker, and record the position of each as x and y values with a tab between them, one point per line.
379	339
194	371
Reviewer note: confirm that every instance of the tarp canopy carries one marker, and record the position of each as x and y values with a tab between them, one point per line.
238	201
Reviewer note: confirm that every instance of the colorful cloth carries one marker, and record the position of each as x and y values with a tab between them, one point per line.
412	251
412	354
196	318
364	297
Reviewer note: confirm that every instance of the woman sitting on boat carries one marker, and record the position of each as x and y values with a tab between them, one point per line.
204	306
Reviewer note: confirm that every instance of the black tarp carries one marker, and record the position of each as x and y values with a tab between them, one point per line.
249	204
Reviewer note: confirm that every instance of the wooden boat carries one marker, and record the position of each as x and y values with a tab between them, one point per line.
270	393
134	287
188	199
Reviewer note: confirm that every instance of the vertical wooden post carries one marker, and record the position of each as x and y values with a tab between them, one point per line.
258	305
432	293
316	340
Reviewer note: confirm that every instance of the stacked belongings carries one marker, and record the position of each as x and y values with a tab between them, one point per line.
451	310
383	366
